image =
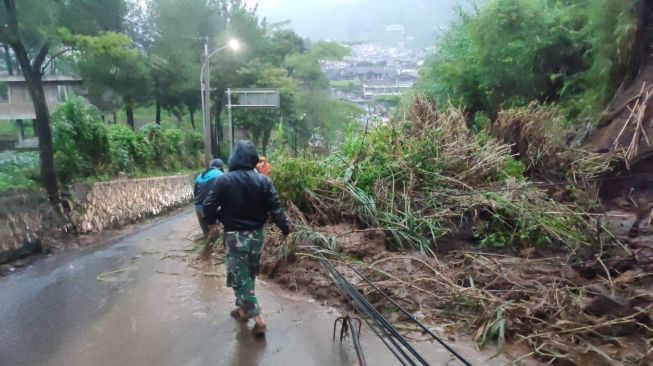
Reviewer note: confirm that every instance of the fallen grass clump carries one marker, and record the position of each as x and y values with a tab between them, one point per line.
431	179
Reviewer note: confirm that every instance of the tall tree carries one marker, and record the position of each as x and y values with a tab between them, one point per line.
235	20
177	49
29	28
127	75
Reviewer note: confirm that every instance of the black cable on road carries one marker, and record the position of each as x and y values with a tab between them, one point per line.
367	311
401	346
411	317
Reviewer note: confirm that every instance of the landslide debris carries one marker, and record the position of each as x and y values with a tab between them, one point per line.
443	220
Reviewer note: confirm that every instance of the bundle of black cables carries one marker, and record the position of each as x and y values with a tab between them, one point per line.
396	343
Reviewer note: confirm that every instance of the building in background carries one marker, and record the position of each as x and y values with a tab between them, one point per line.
16	101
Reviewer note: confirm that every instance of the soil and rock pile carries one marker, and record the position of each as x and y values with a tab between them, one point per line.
449	230
594	312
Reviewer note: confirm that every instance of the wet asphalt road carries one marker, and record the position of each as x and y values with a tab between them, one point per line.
149	307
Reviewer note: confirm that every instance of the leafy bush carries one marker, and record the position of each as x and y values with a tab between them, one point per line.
86	147
294	177
18	170
142	152
129	150
80	140
507	53
161	149
193	147
175	139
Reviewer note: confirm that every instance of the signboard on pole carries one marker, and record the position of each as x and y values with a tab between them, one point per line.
256	98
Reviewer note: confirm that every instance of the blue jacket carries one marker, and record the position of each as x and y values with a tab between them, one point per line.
203	183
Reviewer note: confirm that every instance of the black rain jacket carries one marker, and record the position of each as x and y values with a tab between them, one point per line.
243	198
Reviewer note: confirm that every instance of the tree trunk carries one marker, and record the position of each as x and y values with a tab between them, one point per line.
217	132
157	100
115	117
219	106
35	128
266	140
129	111
256	136
32	72
641	51
158	109
192	118
46	150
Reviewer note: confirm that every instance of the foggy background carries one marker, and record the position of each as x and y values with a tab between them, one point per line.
361	20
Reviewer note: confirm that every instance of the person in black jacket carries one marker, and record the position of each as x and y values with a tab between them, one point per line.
203	184
242	200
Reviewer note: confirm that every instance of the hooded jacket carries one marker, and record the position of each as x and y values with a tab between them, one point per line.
242	199
203	184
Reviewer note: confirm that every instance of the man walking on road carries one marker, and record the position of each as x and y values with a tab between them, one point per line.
241	200
203	184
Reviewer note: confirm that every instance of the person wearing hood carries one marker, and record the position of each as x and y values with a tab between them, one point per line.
242	200
264	167
203	183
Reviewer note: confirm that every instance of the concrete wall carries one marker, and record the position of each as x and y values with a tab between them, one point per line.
26	219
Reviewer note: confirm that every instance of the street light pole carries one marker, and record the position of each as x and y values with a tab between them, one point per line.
205	86
206	105
231	125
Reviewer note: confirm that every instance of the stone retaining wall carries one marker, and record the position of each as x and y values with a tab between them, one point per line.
115	203
26	218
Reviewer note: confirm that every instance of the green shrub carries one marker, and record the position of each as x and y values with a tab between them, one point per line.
294	177
129	150
142	152
514	169
194	148
80	140
18	170
155	135
507	53
175	140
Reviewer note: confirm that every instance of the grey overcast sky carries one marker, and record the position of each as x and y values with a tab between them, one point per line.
358	20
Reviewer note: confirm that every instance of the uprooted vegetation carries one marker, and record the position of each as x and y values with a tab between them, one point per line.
444	220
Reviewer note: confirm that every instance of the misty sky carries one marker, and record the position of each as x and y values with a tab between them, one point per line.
355	20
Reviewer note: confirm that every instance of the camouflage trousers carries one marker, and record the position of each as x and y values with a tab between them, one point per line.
243	264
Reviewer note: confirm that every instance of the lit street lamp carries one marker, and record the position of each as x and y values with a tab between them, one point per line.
205	86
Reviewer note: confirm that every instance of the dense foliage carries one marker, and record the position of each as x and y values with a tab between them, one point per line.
85	146
80	140
142	54
510	52
18	170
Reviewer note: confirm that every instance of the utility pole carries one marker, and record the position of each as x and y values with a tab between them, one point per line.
207	105
231	125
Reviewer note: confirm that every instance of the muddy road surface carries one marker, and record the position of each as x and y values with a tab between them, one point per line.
134	300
